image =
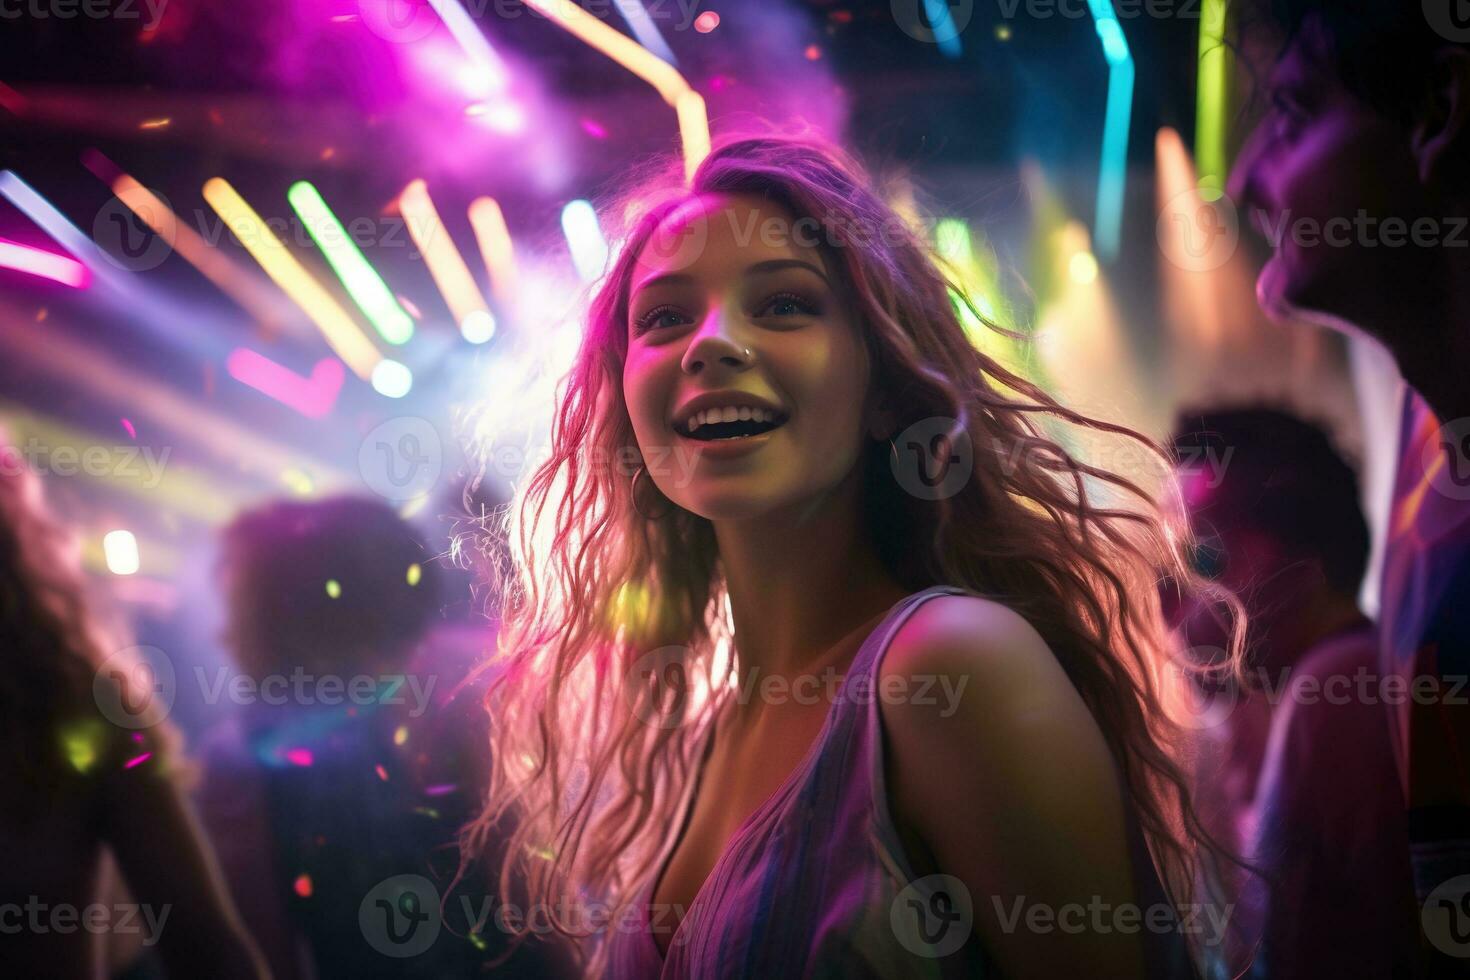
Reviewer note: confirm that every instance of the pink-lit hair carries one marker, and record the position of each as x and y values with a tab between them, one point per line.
588	789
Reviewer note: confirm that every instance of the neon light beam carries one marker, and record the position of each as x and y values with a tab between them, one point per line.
361	281
44	264
1215	62
446	265
644	29
1113	170
342	334
585	239
312	397
672	87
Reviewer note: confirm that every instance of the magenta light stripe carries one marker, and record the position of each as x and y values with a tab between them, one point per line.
39	262
312	397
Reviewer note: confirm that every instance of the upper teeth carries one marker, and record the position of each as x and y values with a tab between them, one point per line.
730	414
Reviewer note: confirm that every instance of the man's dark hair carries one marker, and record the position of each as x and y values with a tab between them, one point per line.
1381	50
1282	475
326	585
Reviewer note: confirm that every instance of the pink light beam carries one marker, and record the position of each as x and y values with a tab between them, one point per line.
39	262
312	397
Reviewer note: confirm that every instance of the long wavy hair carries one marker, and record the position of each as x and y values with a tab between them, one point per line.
593	588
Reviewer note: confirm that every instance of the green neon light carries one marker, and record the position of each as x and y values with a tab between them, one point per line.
1215	63
361	281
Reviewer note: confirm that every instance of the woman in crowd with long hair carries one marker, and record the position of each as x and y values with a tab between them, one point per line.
778	461
90	765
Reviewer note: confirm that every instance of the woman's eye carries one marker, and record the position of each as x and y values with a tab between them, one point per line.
657	317
787	304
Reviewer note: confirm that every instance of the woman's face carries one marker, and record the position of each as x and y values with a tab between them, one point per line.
745	377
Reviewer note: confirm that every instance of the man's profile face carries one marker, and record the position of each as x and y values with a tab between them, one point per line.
1329	180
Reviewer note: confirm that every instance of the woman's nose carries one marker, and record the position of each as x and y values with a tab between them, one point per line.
714	344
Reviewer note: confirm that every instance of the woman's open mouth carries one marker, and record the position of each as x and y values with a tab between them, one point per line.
728	424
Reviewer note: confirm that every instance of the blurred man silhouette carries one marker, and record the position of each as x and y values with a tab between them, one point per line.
357	774
1360	176
1307	786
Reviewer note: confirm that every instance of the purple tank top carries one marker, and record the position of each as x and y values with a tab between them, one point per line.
816	883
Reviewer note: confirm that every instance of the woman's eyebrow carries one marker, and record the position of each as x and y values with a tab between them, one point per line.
776	265
758	268
667	279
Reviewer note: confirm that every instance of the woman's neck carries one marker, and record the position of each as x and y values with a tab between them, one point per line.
800	580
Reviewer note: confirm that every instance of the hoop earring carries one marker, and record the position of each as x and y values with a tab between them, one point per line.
633	490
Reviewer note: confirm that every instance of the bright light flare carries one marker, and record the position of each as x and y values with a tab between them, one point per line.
489	72
392	379
1082	267
121	550
585	239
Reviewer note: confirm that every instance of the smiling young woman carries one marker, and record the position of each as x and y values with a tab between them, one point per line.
718	726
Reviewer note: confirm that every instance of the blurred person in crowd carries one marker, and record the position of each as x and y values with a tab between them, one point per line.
345	767
90	766
1306	779
1366	144
1276	521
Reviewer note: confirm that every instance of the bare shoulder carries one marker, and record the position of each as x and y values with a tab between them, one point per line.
996	765
984	641
997	694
